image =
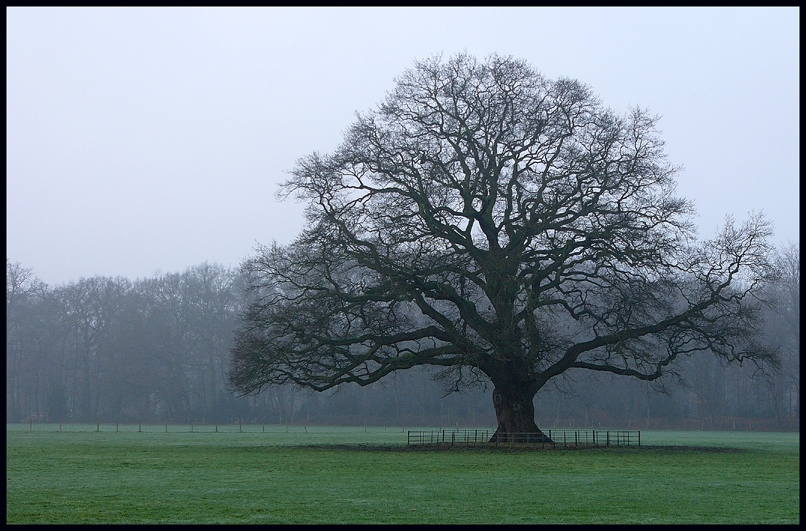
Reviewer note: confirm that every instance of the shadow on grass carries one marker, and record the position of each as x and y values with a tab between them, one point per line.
517	448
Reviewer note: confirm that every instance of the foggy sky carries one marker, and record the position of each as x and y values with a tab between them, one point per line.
152	139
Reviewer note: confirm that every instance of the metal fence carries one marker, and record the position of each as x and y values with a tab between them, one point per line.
553	438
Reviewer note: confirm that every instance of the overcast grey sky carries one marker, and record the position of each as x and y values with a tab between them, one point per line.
152	139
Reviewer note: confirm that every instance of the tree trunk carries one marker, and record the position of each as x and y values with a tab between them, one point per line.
515	412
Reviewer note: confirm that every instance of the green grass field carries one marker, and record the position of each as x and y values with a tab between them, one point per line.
273	474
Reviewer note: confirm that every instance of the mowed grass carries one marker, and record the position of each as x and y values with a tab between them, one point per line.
368	475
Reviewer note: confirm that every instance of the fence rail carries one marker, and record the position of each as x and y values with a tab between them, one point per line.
553	438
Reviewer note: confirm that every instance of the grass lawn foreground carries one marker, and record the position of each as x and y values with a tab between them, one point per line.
111	474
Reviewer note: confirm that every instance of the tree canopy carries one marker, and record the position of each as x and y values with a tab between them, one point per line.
506	228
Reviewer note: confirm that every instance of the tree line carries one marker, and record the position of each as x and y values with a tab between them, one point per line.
158	349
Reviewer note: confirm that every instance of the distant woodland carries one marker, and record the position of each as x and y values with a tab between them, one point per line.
157	350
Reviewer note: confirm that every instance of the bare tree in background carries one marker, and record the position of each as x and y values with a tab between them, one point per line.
783	330
23	292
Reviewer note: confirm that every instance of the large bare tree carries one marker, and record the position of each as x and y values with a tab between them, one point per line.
504	227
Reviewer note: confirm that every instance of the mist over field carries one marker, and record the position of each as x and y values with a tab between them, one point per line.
157	154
